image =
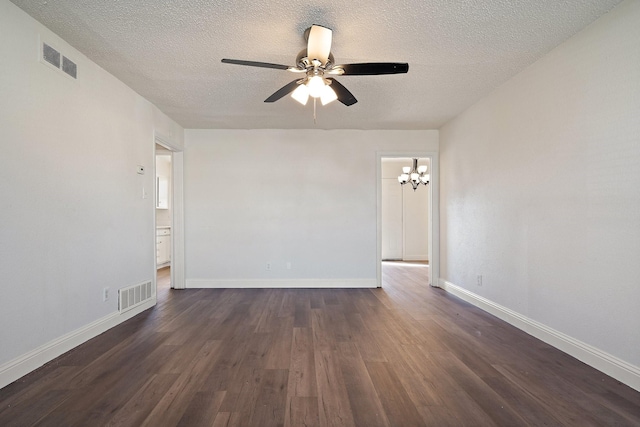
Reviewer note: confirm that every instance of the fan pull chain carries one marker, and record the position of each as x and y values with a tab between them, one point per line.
314	111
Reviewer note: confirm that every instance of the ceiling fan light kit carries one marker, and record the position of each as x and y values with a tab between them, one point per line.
316	62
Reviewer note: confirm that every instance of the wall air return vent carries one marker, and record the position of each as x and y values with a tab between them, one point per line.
69	67
52	56
133	296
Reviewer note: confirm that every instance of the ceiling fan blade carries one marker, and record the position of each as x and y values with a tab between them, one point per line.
374	68
284	90
255	64
319	43
342	92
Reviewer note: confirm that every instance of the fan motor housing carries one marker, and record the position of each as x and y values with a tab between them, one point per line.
303	62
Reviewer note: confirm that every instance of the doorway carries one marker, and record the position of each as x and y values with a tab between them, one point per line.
163	212
405	214
407	219
168	215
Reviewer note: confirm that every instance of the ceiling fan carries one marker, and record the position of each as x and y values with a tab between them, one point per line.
316	63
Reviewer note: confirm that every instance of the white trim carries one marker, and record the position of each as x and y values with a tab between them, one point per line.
434	211
28	362
280	283
592	356
177	218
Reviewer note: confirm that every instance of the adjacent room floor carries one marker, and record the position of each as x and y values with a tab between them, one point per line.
403	355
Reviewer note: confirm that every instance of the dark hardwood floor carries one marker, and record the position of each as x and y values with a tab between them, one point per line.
403	355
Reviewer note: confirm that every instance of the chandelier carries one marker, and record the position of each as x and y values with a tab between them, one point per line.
416	175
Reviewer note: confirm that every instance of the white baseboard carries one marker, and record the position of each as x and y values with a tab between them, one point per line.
22	365
594	357
281	283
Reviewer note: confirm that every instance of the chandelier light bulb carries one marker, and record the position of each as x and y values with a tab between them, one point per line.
422	169
406	169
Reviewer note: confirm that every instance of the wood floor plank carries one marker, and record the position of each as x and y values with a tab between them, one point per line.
102	396
202	409
126	354
242	392
337	323
279	352
323	338
223	419
38	410
171	406
490	401
441	416
525	404
21	399
302	411
134	412
397	404
271	399
364	339
416	379
333	398
571	400
302	372
365	404
623	406
302	311
288	302
560	407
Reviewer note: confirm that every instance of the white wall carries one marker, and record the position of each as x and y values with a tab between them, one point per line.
540	191
73	219
305	197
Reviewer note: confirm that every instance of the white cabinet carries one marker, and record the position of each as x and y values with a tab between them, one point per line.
163	246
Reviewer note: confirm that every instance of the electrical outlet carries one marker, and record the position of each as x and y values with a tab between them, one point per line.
268	266
479	279
105	294
288	266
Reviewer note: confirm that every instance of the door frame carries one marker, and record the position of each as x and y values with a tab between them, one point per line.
177	212
434	211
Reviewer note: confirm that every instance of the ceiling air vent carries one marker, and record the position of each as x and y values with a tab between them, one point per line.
53	57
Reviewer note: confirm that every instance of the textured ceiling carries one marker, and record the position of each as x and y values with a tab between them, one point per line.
169	51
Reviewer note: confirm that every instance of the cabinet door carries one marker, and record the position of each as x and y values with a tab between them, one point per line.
163	249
